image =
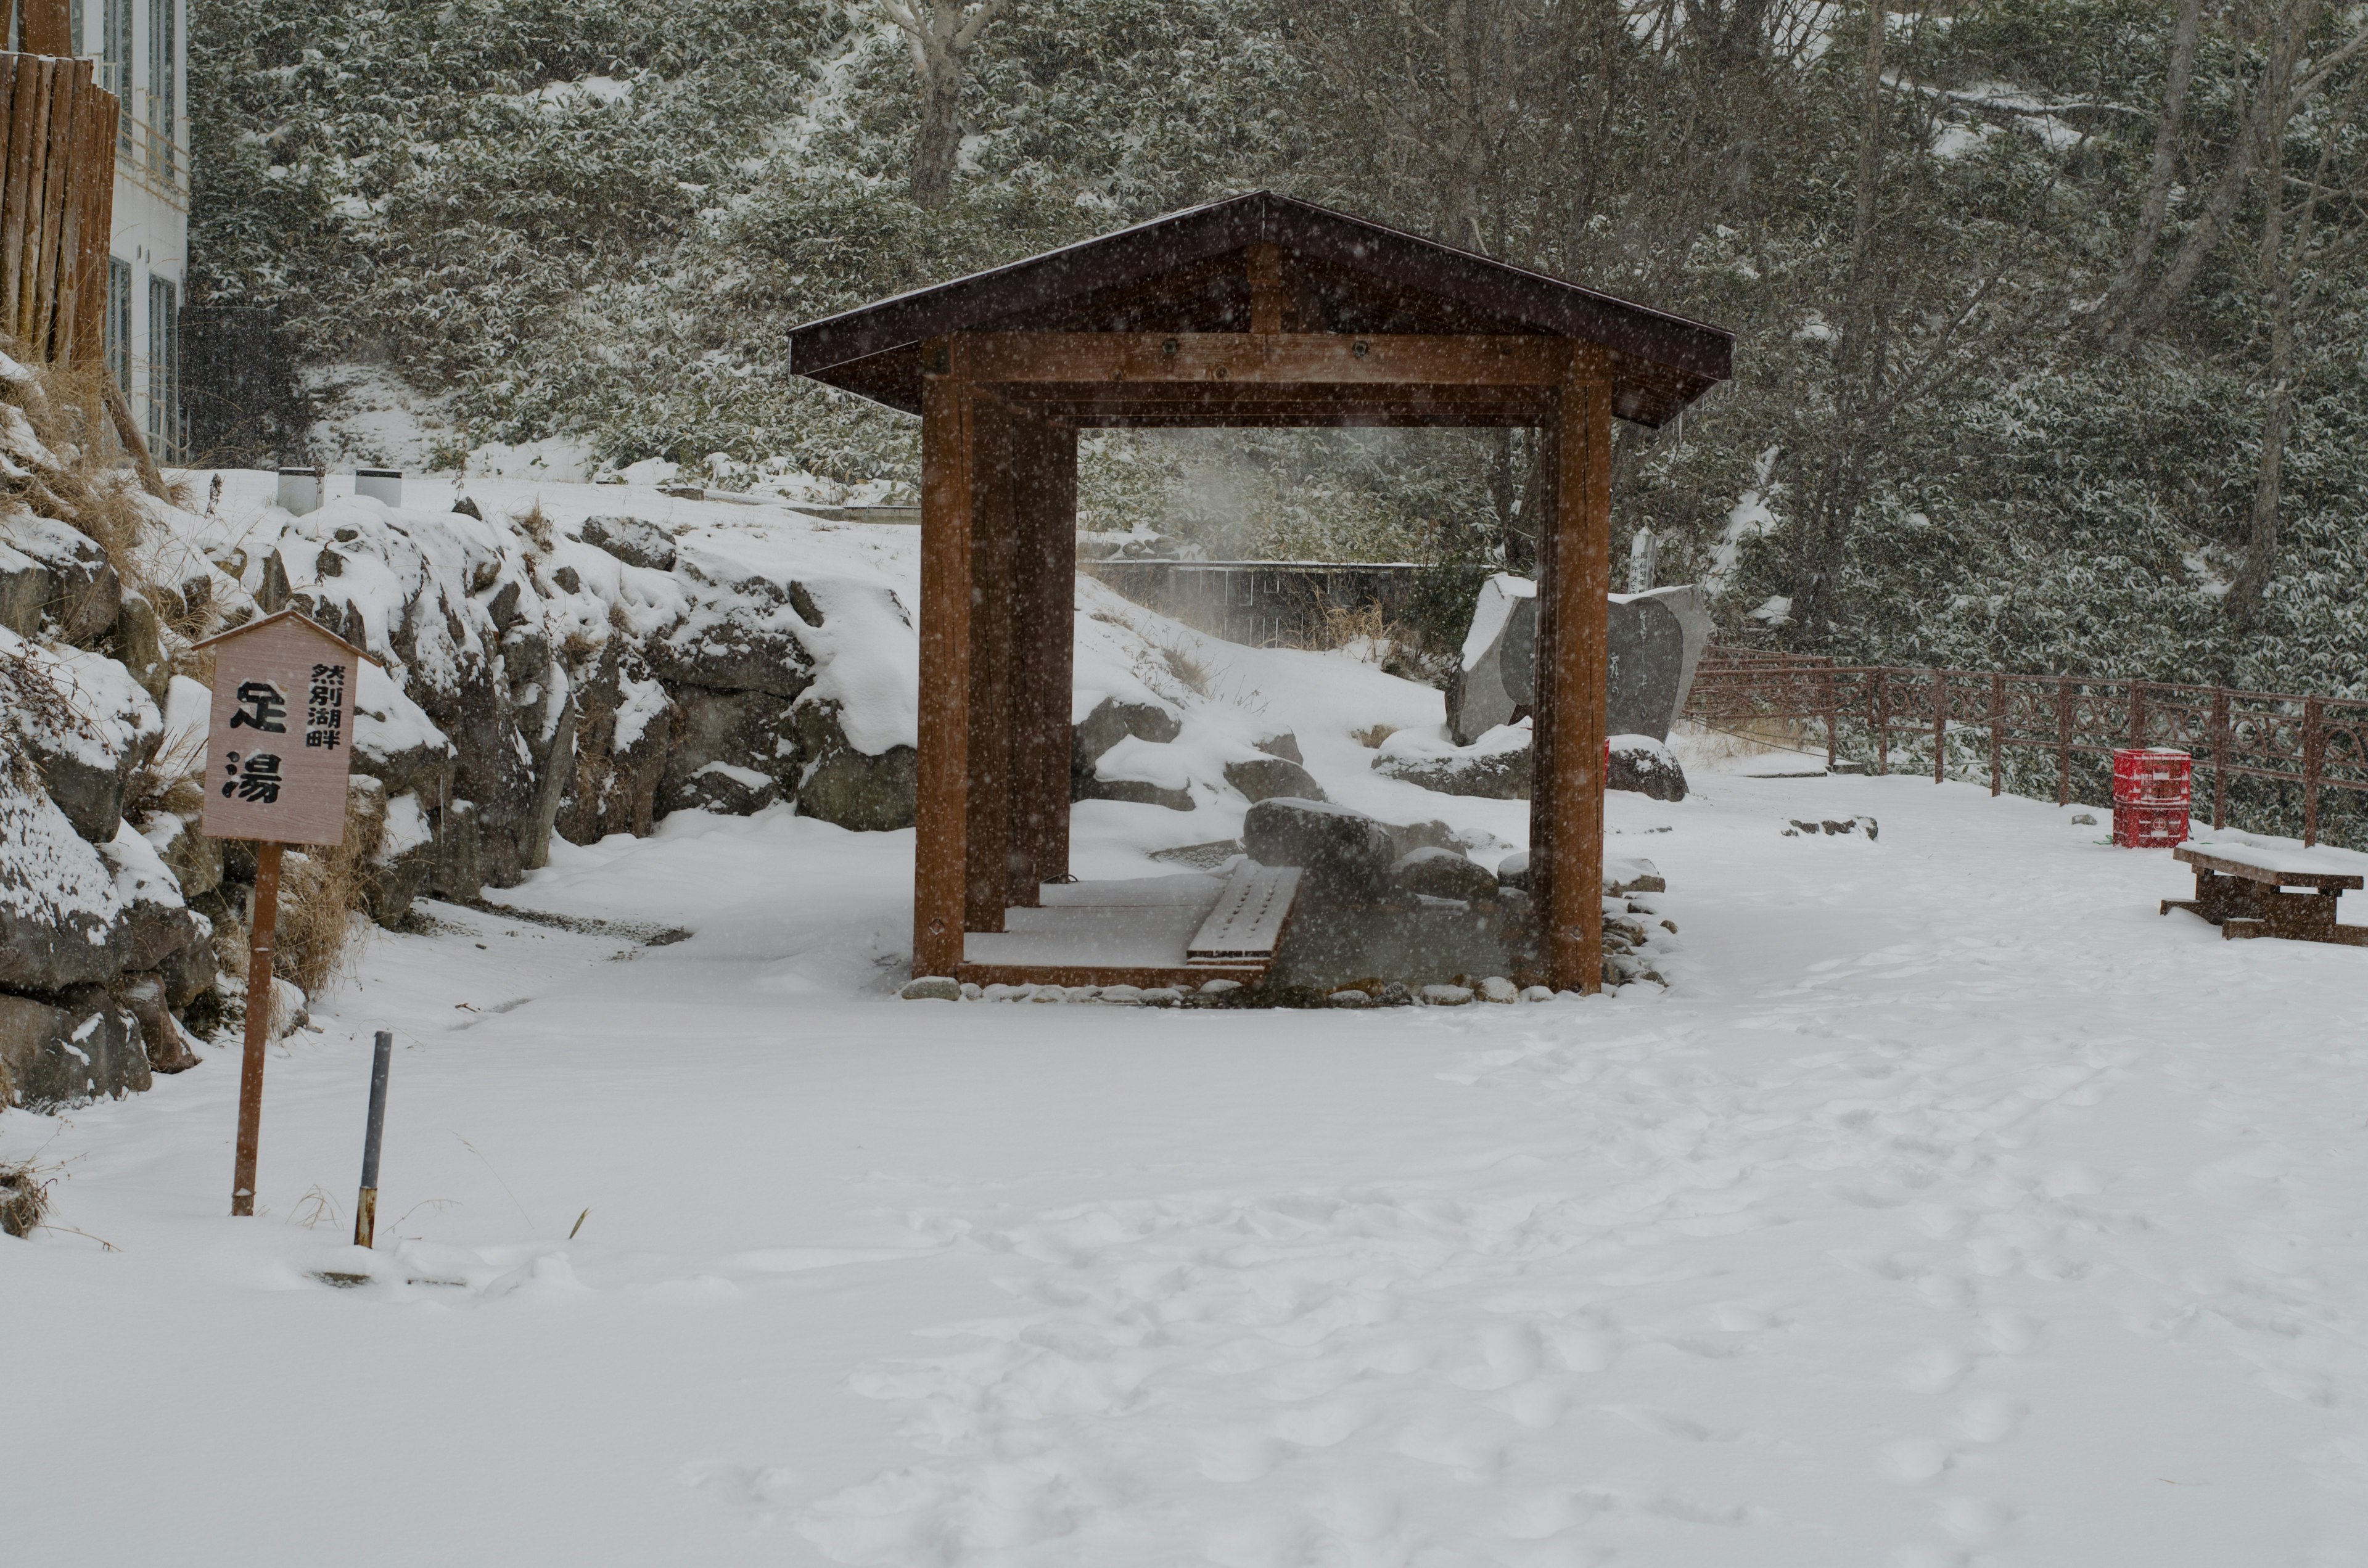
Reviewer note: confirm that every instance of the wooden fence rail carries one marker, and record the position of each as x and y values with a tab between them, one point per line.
57	203
2307	746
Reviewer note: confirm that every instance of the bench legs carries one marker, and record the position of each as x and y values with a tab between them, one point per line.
2243	908
2298	917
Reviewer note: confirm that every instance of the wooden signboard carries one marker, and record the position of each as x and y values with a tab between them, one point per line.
278	754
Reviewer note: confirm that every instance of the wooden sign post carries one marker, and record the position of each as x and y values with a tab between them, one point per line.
278	761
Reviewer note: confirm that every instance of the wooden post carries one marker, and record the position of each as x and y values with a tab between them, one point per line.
2137	713
2062	741
1552	509
1939	725
1043	656
2314	746
43	270
1882	722
1997	727
1833	718
48	26
30	120
2219	756
995	461
941	834
1568	795
258	1026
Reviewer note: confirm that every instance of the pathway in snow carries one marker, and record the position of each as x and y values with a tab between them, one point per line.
1953	1207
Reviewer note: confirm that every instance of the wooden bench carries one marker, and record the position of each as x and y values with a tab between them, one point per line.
2242	889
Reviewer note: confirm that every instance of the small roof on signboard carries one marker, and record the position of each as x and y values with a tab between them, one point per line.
1343	274
296	615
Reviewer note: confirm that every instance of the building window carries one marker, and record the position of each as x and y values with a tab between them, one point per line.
162	51
119	321
115	71
164	369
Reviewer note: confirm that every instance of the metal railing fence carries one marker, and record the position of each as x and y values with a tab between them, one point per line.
2270	762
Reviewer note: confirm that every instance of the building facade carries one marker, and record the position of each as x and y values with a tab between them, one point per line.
141	49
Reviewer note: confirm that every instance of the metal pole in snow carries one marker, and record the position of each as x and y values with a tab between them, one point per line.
366	1207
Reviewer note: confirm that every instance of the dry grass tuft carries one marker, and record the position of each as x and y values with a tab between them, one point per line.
1185	665
24	1200
86	483
536	523
174	780
1342	625
318	892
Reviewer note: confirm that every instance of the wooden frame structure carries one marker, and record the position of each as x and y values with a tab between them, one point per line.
57	195
1259	311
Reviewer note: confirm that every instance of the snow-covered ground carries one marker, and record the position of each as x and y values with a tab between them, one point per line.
1950	1208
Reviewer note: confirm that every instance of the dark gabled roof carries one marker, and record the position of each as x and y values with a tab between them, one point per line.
1182	273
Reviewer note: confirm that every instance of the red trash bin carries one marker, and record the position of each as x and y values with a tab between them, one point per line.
2152	789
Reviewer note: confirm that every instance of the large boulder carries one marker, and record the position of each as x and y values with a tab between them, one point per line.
24	587
1501	766
624	743
458	873
1648	767
61	918
632	541
87	727
867	791
81	592
1144	772
81	1046
1496	767
750	730
1110	721
396	743
136	639
745	632
1654	642
1443	873
404	863
161	1035
1265	778
1345	855
195	860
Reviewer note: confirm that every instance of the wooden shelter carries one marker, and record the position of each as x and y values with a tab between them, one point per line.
1257	310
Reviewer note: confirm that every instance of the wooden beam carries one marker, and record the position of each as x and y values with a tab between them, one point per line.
95	161
20	228
997	457
1348	417
1265	286
940	828
58	154
1573	585
1278	358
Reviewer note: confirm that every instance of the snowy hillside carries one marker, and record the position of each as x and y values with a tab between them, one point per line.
1950	1207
